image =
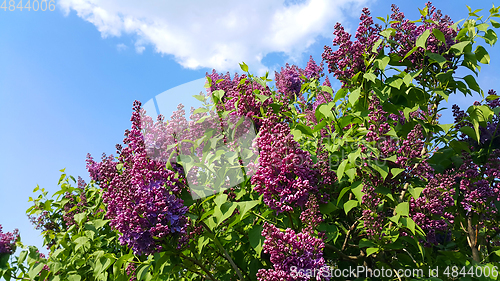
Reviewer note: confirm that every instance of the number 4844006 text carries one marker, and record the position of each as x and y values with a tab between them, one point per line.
35	5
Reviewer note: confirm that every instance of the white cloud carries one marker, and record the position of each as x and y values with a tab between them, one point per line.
121	47
216	34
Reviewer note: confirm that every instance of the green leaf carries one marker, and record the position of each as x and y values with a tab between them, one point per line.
422	39
354	96
437	58
376	45
363	243
395	82
459	47
410	52
387	33
370	251
382	62
35	270
202	241
341	93
74	277
200	110
82	242
246	206
492	97
382	169
351	173
415	191
443	94
256	239
344	190
22	257
141	274
407	79
471	82
460	146
331	231
226	210
220	199
319	126
408	223
306	130
446	127
327	208
439	35
341	168
403	209
370	76
396	171
199	97
490	37
482	55
357	190
326	89
99	223
424	11
244	67
349	205
326	110
80	217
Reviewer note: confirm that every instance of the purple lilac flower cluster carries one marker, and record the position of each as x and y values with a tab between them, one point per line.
289	81
348	59
290	249
239	97
406	151
141	196
7	241
487	134
311	217
377	118
477	185
407	33
130	271
428	210
285	175
71	208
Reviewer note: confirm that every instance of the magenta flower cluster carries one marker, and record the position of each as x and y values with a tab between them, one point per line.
478	186
429	210
288	250
407	32
349	58
7	241
239	97
285	175
141	196
71	208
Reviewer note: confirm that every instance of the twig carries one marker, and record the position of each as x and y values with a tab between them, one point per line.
200	265
349	233
342	255
228	257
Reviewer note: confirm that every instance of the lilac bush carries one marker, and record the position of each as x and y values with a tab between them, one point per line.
7	241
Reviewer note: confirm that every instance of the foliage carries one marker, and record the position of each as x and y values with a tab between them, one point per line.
364	176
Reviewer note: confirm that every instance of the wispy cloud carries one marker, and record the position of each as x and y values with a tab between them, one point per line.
121	47
216	34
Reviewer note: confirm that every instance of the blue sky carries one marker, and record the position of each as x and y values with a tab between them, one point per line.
68	77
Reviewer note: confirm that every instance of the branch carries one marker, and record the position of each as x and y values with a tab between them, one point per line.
342	255
353	226
228	257
200	265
